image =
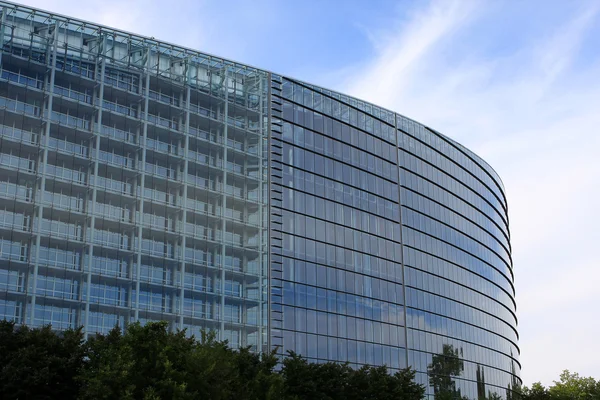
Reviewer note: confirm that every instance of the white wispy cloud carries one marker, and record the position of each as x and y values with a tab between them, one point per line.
192	23
533	114
399	51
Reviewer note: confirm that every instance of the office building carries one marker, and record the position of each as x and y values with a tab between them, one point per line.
140	181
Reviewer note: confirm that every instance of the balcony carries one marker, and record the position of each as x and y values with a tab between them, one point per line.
120	109
162	122
17	163
116	160
70	121
163	98
73	94
118	134
69	148
18	135
66	174
20	107
161	147
9	190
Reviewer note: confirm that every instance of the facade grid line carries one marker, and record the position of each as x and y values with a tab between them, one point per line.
143	181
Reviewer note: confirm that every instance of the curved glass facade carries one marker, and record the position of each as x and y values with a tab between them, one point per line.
390	245
140	181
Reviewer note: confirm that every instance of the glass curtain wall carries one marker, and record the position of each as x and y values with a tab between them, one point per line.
133	181
390	245
144	181
337	273
461	312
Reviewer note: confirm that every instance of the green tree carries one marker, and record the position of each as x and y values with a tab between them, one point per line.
210	369
333	381
536	392
384	386
513	389
151	363
571	386
302	380
480	375
442	370
38	363
145	362
255	376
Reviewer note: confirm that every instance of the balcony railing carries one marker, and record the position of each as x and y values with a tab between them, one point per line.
20	107
21	79
164	122
116	159
69	120
160	171
68	147
120	108
59	264
59	229
66	174
18	163
73	94
18	135
62	201
113	185
163	98
12	190
163	147
118	134
159	196
206	112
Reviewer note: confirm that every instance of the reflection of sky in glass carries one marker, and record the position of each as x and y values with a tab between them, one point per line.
456	280
388	240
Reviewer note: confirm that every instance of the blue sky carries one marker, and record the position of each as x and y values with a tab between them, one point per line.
516	81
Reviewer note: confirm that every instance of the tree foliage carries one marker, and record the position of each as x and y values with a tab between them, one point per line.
331	381
38	363
150	363
570	386
442	370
